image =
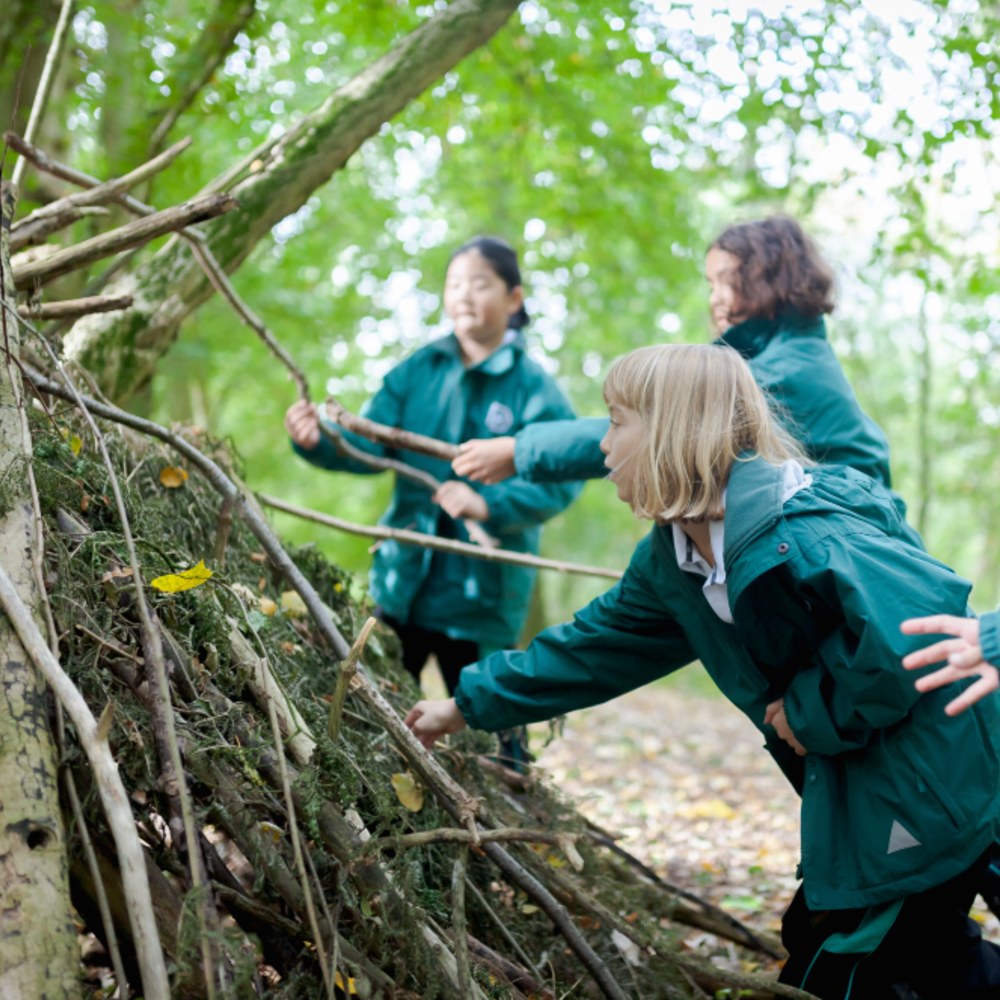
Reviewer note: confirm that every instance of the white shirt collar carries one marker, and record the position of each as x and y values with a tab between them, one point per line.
715	588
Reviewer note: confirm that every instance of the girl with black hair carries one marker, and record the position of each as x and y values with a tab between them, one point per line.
474	383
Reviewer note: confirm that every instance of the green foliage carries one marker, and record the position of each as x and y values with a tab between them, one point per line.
610	143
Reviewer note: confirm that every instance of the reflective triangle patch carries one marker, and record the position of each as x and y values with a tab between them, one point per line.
900	838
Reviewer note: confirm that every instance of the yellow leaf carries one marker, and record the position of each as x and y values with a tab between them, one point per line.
274	831
339	981
409	793
528	909
175	582
75	444
706	809
293	605
556	862
267	606
172	477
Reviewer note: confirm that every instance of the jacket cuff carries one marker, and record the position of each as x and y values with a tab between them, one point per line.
989	637
524	453
465	706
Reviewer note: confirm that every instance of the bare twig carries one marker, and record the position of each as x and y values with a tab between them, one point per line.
125	237
439	544
24	233
345	676
458	919
74	308
100	194
508	937
222	533
453	835
391	437
45	84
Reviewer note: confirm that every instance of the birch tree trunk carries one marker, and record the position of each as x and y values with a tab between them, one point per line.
38	949
122	350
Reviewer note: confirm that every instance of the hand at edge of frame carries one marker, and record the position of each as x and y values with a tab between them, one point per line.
963	653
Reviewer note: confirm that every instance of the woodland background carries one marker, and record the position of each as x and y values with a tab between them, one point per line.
609	142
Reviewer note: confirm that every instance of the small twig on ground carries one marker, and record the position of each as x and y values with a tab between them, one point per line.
454	835
439	544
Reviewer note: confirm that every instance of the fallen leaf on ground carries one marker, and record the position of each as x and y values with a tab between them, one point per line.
706	809
172	477
173	583
409	793
293	605
267	606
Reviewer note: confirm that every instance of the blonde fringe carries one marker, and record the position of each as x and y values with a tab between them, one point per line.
702	409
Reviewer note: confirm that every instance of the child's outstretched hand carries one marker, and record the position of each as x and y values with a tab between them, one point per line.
302	424
963	653
775	716
461	501
430	720
488	460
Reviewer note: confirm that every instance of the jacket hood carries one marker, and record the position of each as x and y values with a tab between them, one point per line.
751	336
756	517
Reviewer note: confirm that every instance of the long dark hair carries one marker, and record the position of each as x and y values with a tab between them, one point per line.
502	258
779	267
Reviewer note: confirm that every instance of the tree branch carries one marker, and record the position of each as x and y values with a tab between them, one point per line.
391	437
131	235
45	84
74	308
407	537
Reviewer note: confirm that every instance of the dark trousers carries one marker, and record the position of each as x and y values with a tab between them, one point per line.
933	951
419	643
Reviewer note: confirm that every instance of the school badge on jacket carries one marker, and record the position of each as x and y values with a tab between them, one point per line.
499	418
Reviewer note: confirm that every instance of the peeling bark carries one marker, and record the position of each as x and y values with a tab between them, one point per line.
122	349
38	950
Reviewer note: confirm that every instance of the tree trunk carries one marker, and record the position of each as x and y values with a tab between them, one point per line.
122	349
38	950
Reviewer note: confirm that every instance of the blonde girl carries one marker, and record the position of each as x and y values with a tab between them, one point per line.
789	583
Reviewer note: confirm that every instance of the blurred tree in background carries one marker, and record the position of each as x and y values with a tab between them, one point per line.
610	143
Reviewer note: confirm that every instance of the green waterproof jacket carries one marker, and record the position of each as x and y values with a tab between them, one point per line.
792	360
897	796
432	392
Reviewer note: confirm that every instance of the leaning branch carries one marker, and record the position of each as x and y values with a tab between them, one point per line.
101	194
44	89
391	437
25	234
124	238
74	308
407	537
112	791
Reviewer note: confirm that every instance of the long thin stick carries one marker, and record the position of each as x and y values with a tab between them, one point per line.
100	194
407	537
346	674
45	84
453	835
75	308
112	791
123	238
458	920
510	939
392	437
